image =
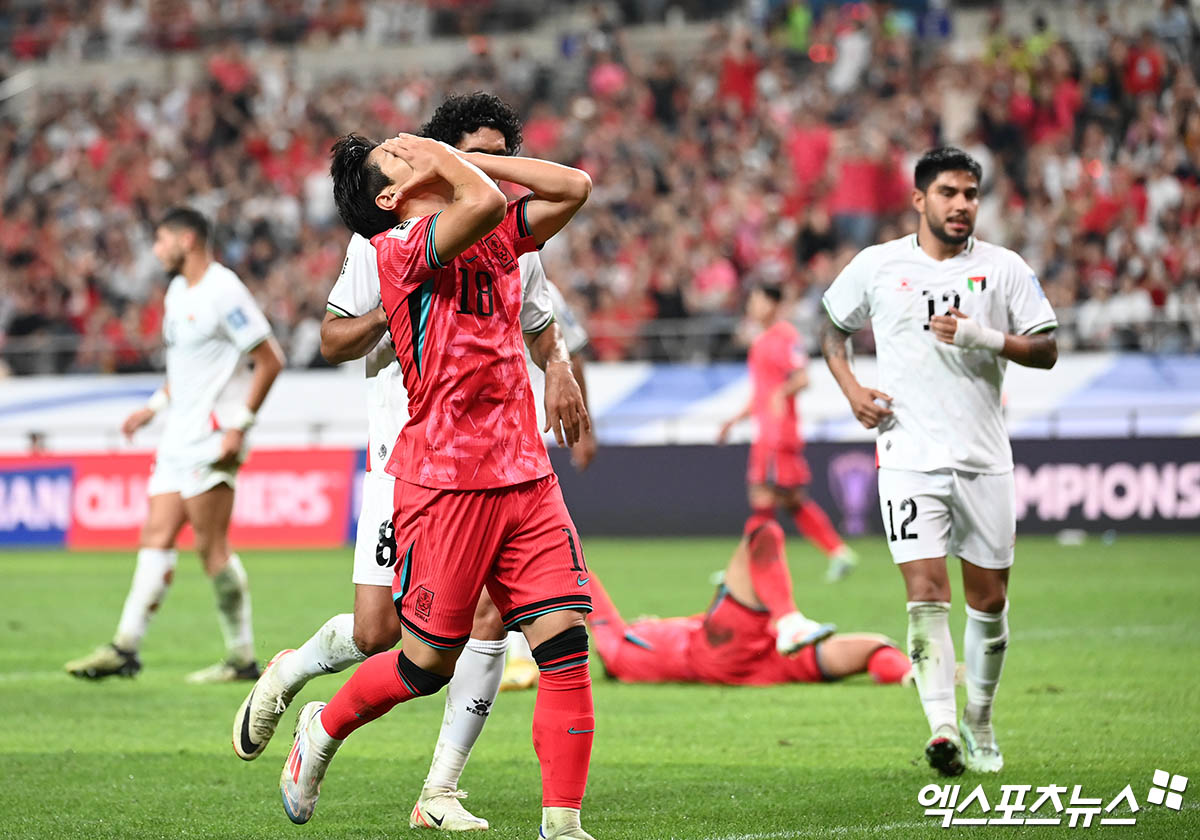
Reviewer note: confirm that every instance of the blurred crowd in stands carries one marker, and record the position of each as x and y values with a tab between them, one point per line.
772	154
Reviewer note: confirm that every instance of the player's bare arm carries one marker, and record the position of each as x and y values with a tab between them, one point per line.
157	402
268	361
583	452
558	191
345	339
566	411
727	426
796	382
476	204
862	400
1036	351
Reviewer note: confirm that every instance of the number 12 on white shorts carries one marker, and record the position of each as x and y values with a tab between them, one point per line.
949	512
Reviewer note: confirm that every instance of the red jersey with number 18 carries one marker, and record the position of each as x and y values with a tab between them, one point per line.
457	333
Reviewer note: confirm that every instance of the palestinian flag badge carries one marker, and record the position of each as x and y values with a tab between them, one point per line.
976	284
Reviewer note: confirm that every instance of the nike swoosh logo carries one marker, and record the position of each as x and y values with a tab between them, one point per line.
438	820
248	746
470	260
573	731
581	580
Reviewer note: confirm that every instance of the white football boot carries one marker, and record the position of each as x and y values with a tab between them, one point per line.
259	714
983	755
300	781
443	810
841	563
224	672
793	632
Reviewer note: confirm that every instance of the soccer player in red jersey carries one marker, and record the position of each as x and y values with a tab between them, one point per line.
777	474
477	502
733	643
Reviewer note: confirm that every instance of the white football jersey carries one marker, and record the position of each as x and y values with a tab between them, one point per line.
356	293
207	328
945	400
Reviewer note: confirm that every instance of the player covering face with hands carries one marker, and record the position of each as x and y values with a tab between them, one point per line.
353	327
476	500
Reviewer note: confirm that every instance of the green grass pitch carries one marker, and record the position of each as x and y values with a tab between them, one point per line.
1101	689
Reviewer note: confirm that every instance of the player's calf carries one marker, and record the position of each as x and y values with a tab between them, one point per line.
379	684
563	726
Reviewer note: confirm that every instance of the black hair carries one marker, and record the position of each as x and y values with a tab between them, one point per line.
185	218
356	183
773	292
461	115
944	159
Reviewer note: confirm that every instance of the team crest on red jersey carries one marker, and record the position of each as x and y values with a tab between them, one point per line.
497	247
424	604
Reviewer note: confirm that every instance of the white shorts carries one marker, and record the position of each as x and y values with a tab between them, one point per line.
188	471
375	540
947	512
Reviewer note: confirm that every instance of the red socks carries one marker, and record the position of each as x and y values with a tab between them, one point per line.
563	718
814	524
888	665
759	517
769	572
381	682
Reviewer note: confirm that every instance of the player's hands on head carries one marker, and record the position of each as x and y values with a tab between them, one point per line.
870	406
135	421
566	413
422	154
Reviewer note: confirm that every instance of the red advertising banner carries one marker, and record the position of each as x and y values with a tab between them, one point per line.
285	498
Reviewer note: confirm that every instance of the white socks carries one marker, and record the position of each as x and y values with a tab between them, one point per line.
557	820
233	611
469	699
151	577
518	647
932	653
331	649
985	642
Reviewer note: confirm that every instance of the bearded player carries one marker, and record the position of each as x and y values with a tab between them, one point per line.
477	503
777	474
735	642
211	327
948	312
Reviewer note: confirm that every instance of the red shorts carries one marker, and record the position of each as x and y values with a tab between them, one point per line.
735	646
781	466
519	541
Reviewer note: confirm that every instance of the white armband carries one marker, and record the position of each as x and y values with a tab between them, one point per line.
243	418
158	400
971	335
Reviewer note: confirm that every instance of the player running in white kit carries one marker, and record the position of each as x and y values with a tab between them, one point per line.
211	324
948	313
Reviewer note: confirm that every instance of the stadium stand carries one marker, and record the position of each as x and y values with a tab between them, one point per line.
772	146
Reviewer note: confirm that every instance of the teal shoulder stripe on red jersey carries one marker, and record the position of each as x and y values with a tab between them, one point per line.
420	301
431	254
523	217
